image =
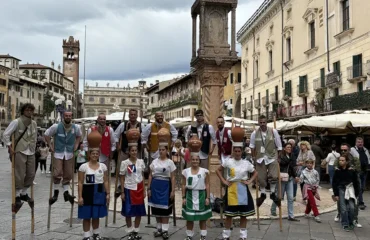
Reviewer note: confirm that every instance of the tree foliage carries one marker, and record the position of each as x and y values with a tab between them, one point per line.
49	104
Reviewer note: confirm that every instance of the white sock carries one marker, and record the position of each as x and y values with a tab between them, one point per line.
159	226
243	233
17	192
226	233
165	227
96	231
129	229
263	190
86	234
273	187
189	233
66	187
24	191
56	186
203	232
136	230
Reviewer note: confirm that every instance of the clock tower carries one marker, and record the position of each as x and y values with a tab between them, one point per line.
71	60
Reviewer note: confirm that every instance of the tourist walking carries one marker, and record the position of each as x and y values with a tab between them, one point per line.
330	159
44	152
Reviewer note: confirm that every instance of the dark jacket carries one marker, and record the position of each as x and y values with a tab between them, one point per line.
343	177
319	154
287	165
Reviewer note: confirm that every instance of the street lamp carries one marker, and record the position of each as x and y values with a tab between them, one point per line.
69	105
60	107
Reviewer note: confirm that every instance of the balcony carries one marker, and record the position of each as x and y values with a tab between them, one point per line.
334	79
302	90
273	98
249	106
257	103
265	101
318	84
357	72
287	94
357	100
296	111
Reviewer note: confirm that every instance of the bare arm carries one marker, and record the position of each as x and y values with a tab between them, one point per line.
173	184
208	188
81	177
183	189
122	178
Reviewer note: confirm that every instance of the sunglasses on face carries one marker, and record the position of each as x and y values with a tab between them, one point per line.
198	115
344	150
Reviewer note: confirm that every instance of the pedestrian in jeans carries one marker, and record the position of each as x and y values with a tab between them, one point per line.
44	151
80	155
330	159
287	178
311	179
360	152
346	189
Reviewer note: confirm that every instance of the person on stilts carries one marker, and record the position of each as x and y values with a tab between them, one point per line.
161	185
266	147
238	199
25	134
196	193
133	187
66	137
224	142
93	189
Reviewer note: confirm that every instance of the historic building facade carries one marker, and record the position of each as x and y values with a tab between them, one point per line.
179	98
232	96
4	81
319	64
152	96
113	99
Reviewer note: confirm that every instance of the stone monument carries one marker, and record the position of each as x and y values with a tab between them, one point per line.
214	58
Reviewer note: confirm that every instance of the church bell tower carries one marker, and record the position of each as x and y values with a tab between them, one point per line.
71	60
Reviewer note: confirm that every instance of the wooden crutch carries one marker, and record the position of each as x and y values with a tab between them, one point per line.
174	201
117	172
73	191
258	209
51	187
32	206
279	182
13	184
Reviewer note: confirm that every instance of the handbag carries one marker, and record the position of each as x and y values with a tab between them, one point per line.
324	163
284	177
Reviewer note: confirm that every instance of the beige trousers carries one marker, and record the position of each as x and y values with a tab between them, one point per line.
267	172
24	170
63	169
203	163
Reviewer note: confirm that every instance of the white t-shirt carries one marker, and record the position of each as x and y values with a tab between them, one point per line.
237	170
198	181
162	168
332	157
93	176
133	173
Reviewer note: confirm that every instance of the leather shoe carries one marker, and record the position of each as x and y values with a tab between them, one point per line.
261	199
54	198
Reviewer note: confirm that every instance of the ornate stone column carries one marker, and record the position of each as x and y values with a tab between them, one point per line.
201	27
233	34
194	35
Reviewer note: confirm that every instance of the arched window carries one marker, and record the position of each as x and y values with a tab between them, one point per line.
34	74
26	73
42	74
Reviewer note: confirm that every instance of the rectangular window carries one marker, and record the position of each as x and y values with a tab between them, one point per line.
39	97
345	14
28	93
360	86
276	93
357	65
231	78
231	101
239	77
336	67
270	60
312	34
21	94
33	95
267	96
303	84
152	100
91	99
288	49
256	68
322	77
102	100
288	88
336	92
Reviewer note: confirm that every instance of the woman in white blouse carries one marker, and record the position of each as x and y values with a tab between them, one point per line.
330	159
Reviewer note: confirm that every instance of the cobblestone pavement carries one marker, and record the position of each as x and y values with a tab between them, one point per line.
59	229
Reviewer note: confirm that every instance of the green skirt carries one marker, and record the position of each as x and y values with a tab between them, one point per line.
195	208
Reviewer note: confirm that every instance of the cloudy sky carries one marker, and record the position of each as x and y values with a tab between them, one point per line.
127	40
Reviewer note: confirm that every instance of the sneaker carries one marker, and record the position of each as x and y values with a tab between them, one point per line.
34	183
69	197
330	189
307	215
346	228
293	219
317	219
362	206
203	237
86	238
261	199
48	172
136	235
351	227
165	235
357	224
97	237
54	198
158	233
188	238
273	214
337	217
18	204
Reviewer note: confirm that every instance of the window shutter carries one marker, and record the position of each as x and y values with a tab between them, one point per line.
290	88
301	84
322	77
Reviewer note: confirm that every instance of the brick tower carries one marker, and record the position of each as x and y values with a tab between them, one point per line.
71	60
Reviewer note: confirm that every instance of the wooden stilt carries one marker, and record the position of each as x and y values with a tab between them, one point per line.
258	209
32	211
279	183
73	191
51	187
13	184
109	180
116	182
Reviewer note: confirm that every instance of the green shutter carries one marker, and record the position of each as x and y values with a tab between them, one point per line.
290	88
286	86
267	96
322	77
356	60
301	84
336	67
